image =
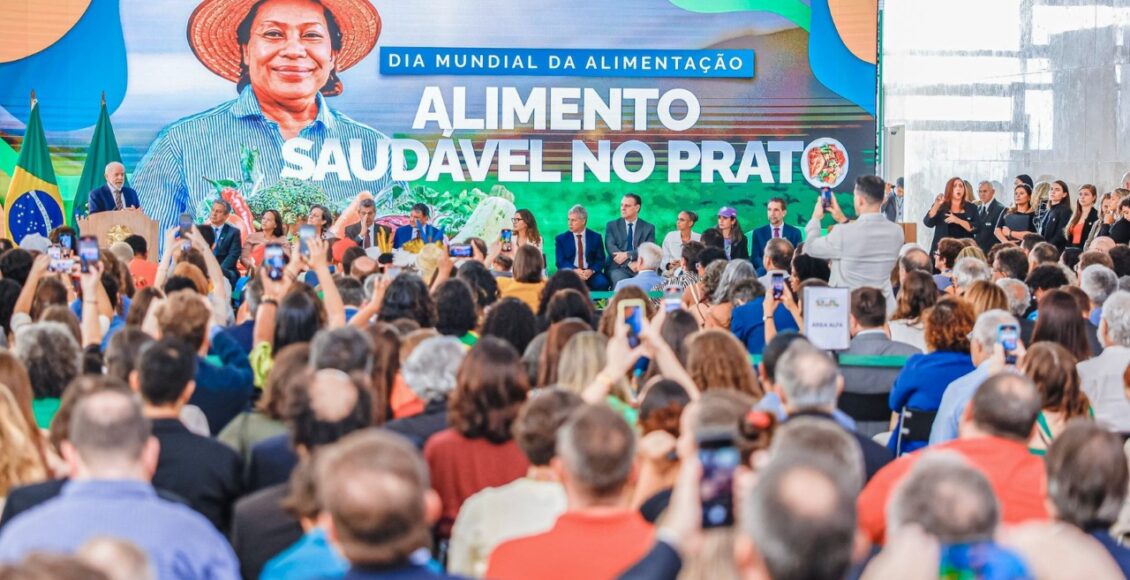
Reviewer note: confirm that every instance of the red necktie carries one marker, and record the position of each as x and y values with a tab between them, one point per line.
580	253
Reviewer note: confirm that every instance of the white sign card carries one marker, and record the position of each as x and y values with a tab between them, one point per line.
826	317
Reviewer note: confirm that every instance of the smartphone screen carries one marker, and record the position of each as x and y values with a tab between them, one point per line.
275	261
459	250
507	236
632	312
778	286
719	458
305	233
185	224
67	242
826	197
88	252
1008	335
672	297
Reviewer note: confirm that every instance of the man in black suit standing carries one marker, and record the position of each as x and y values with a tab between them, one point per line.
224	239
988	212
623	236
115	195
364	233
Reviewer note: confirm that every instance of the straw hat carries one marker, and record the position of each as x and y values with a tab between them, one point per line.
212	32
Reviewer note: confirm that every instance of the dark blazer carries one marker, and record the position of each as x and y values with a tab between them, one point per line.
1054	225
262	529
202	470
25	497
662	562
272	460
616	240
1119	231
405	572
227	248
353	232
943	230
566	249
102	199
762	235
223	391
1088	223
419	428
890	208
873	381
404	234
986	224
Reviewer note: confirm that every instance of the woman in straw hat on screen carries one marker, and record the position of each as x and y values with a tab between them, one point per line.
284	57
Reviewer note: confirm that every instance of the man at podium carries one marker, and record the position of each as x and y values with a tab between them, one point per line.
114	195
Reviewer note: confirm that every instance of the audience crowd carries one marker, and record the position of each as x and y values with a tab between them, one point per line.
213	413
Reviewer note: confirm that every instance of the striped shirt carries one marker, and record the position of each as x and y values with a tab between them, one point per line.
171	178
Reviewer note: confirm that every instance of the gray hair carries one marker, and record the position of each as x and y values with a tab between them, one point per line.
991	184
951	500
347	349
968	270
113	164
1087	475
108	429
651	254
1018	294
579	211
985	330
809	436
736	270
1116	315
1099	282
1124	283
597	448
122	251
808	376
51	356
431	368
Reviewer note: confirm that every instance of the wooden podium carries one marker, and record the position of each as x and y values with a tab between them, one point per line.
115	226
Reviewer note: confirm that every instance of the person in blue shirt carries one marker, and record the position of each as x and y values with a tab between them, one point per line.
922	382
646	265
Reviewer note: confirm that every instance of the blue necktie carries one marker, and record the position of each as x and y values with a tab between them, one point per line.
630	237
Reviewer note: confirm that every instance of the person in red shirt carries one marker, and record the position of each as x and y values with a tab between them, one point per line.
993	438
143	271
599	535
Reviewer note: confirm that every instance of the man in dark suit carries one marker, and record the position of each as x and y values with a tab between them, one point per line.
419	228
894	202
114	195
202	470
622	237
365	232
224	239
776	228
988	212
589	261
866	389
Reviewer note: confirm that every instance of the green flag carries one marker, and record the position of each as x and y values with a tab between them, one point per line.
103	150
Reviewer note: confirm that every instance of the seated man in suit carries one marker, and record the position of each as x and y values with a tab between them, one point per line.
776	228
866	319
202	470
364	233
581	249
622	237
114	195
418	229
224	239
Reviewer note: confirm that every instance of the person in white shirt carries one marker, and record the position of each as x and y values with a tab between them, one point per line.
863	252
673	241
1102	375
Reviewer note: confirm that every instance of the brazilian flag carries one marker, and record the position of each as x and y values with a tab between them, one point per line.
33	204
103	150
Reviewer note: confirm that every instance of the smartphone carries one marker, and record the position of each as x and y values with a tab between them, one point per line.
460	250
507	237
67	243
88	252
55	254
275	260
826	197
1008	335
185	224
632	311
778	285
672	297
305	233
720	459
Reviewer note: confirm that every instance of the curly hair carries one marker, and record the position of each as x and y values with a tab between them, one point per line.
407	297
456	309
560	280
948	324
489	391
51	356
511	320
717	360
483	285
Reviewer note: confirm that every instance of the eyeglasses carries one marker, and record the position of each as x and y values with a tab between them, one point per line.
515	220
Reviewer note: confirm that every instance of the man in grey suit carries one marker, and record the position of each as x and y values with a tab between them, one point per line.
867	388
988	212
622	237
863	252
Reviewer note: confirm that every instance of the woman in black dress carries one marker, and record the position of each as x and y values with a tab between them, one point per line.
953	214
1054	225
1018	221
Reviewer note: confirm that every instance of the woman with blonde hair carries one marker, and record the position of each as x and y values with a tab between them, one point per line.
20	460
717	360
582	358
984	296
